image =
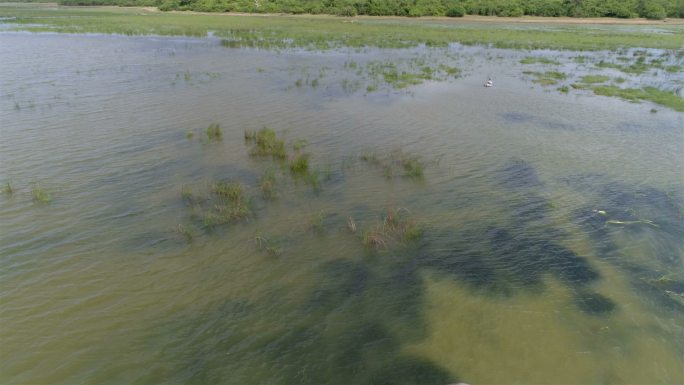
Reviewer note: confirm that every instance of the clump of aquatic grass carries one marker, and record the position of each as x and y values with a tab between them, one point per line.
396	229
214	132
267	184
184	231
396	163
638	67
541	60
233	191
40	195
266	143
593	79
351	225
404	74
580	86
317	222
453	71
269	246
369	156
653	110
227	213
299	164
313	179
564	89
655	95
187	195
8	189
226	204
546	78
189	134
300	144
413	166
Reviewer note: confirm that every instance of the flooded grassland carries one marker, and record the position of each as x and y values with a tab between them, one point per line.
186	210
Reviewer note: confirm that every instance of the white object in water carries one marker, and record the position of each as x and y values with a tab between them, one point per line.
489	83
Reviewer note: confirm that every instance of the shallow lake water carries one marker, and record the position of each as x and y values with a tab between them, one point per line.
552	223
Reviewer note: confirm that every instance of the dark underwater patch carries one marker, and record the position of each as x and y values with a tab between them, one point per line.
530	208
516	117
638	214
342	280
594	303
520	118
513	260
411	371
517	174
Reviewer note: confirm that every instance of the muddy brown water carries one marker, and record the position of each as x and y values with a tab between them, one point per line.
552	224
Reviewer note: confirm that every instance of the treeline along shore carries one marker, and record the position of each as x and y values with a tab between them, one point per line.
650	9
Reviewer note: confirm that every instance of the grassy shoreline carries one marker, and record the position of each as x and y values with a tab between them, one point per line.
326	32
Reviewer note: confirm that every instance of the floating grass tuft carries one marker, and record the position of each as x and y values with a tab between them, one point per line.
655	95
299	144
396	229
540	60
413	167
351	225
317	222
214	132
40	195
593	79
271	247
266	143
187	195
396	163
8	190
299	164
546	78
233	191
184	231
267	184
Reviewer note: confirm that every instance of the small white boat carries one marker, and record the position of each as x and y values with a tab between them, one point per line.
489	83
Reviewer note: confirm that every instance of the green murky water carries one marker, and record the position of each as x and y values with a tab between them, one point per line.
551	224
